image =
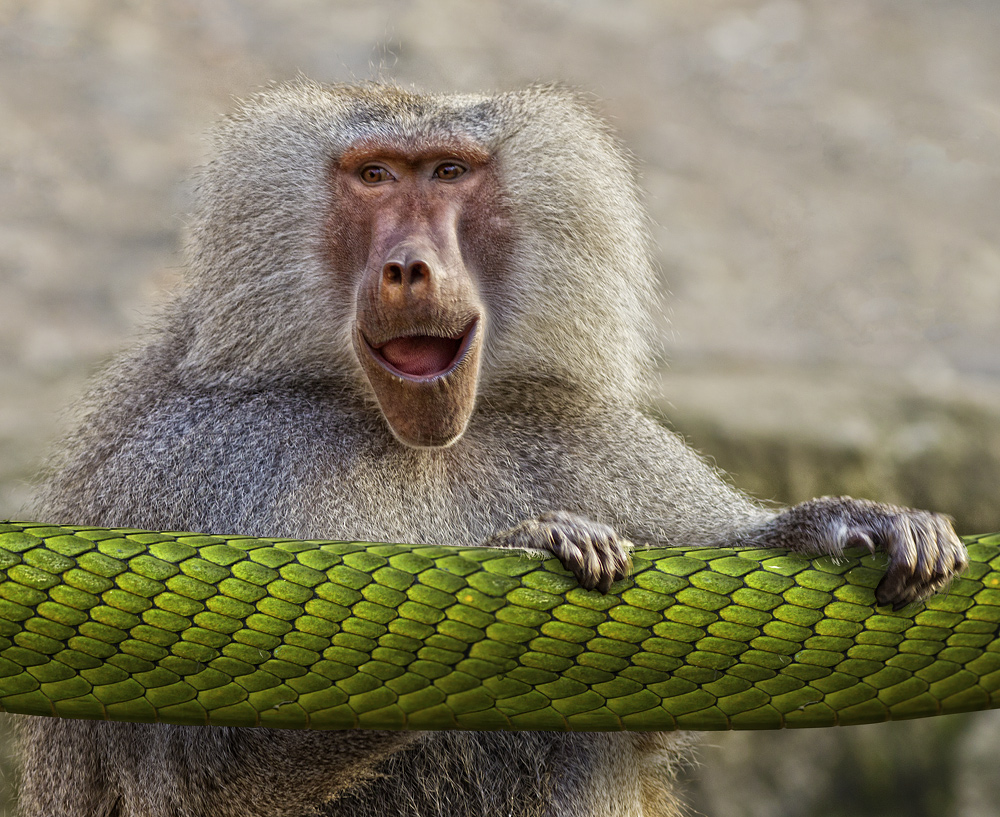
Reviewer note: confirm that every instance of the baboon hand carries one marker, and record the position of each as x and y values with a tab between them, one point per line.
593	552
924	551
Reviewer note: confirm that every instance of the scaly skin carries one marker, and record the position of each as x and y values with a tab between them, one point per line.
193	629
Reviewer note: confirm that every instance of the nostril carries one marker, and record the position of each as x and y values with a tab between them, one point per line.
392	273
418	271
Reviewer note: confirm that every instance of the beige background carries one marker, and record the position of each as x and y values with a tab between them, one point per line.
825	183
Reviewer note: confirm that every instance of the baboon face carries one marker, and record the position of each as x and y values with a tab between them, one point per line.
412	219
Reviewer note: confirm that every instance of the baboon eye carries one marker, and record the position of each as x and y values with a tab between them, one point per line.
374	174
448	171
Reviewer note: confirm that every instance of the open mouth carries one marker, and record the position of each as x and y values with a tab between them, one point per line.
423	357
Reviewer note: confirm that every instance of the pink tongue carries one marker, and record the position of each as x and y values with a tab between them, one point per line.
420	355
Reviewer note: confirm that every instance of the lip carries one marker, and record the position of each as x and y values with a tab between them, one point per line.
466	340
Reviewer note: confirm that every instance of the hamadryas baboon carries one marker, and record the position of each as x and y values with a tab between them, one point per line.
419	319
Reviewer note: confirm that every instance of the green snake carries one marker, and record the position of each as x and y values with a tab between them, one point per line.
195	629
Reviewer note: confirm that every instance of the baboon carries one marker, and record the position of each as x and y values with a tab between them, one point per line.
411	318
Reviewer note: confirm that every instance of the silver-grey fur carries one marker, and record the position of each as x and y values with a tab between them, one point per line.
247	412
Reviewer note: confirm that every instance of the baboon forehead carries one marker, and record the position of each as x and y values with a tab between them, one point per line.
320	122
395	116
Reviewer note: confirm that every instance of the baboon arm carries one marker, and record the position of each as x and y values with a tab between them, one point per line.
670	496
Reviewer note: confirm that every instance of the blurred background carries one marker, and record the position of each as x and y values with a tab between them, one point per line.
824	181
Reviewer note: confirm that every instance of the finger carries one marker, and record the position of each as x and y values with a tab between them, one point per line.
624	561
904	549
591	559
858	537
954	558
569	554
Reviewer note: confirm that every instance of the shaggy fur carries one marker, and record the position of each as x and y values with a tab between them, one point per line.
247	412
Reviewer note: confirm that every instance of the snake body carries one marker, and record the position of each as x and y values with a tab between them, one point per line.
195	629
